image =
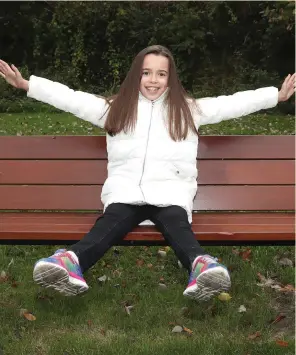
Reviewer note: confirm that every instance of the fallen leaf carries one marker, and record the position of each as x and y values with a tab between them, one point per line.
187	330
278	319
162	253
103	331
246	254
116	273
224	296
235	251
128	309
167	249
282	343
162	286
287	288
3	276
89	323
260	276
177	329
102	279
267	282
150	266
29	316
255	335
242	309
285	262
140	262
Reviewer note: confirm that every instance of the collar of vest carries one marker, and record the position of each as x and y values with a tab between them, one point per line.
161	98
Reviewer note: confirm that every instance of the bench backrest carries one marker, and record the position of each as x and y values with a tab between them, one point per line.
248	173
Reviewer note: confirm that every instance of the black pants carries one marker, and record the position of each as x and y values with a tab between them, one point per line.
119	219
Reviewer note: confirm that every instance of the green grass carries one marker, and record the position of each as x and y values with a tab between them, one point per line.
67	124
97	323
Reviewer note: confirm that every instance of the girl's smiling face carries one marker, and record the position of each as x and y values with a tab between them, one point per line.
155	75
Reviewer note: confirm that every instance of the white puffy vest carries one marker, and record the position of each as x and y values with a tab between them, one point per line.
147	166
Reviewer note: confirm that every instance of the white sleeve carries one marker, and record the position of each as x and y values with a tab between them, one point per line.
217	109
83	105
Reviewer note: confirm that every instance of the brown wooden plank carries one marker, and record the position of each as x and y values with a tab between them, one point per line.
206	227
247	147
82	172
259	172
94	147
217	198
199	218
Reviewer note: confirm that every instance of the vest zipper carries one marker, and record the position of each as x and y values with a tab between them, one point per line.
146	151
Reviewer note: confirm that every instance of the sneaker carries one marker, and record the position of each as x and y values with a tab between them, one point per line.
61	272
207	279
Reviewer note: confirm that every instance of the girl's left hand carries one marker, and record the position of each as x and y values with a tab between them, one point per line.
288	88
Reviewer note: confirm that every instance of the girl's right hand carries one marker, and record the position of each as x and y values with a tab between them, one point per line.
13	76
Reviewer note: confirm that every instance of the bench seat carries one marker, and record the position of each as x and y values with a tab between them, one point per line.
246	190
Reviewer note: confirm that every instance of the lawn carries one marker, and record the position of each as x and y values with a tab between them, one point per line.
131	313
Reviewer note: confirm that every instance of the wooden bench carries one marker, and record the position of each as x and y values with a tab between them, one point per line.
50	190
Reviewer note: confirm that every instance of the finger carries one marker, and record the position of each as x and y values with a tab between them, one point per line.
5	68
5	65
287	78
2	68
291	81
3	76
15	69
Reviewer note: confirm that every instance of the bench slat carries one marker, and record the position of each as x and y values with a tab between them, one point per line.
210	172
199	218
226	227
77	197
85	147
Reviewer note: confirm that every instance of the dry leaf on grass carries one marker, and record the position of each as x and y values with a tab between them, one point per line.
140	262
103	331
274	284
244	254
254	335
162	286
102	279
286	262
182	329
177	329
3	276
224	296
128	309
282	343
278	319
242	309
187	330
25	313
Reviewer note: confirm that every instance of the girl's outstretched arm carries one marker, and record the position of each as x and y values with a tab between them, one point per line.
217	109
83	105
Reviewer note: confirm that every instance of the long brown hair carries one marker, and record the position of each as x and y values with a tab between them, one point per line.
122	115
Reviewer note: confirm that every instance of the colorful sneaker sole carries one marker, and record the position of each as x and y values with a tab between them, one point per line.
54	276
208	284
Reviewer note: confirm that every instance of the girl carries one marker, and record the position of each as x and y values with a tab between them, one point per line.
152	142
